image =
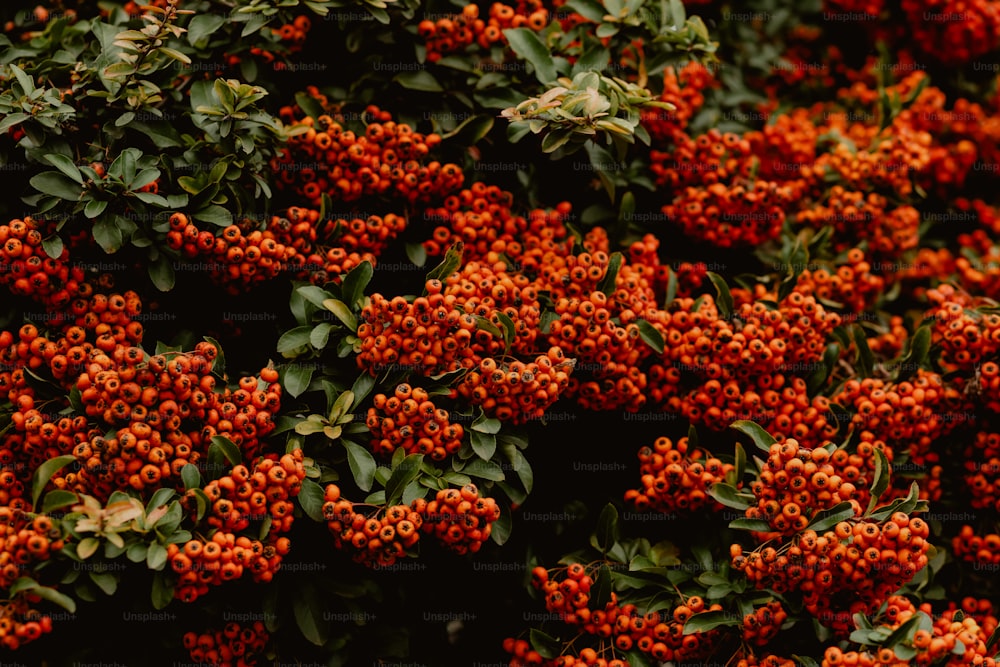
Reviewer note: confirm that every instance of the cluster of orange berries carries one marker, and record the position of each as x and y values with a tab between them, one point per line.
745	212
937	646
850	284
911	413
237	259
708	159
522	655
796	483
25	540
683	88
856	216
246	495
431	335
784	145
409	419
201	564
375	540
460	519
517	391
486	291
20	623
657	634
232	646
853	568
29	271
167	411
974	548
982	470
449	34
386	160
761	625
967	337
959	31
676	477
978	268
766	661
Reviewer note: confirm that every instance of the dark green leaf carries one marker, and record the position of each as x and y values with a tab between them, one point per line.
227	448
57	184
528	46
607	527
355	282
57	499
829	518
362	465
729	496
485	445
724	300
760	437
44	473
601	590
419	80
296	378
191	477
161	272
547	646
651	335
311	497
309	610
880	482
709	620
66	166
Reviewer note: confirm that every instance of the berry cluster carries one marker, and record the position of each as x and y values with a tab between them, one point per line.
246	495
657	634
860	216
517	391
850	284
375	540
974	548
386	160
29	271
431	335
959	31
937	646
201	564
240	258
409	419
23	541
760	626
796	483
684	89
709	159
166	410
674	479
232	646
744	213
851	569
460	519
449	34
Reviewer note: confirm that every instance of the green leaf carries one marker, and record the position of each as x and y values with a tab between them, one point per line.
362	465
757	525
724	300
827	519
296	378
362	387
502	527
203	26
607	284
163	591
484	424
601	590
484	445
880	482
87	547
136	552
156	556
709	620
419	80
44	473
161	273
407	471
528	46
56	184
66	166
866	360
293	340
547	646
416	253
160	498
53	246
729	496
740	463
311	497
484	470
191	477
607	528
589	9
309	610
57	499
353	287
227	448
108	235
452	260
342	312
54	596
651	335
761	438
214	215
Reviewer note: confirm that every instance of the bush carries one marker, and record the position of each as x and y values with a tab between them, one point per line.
291	287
